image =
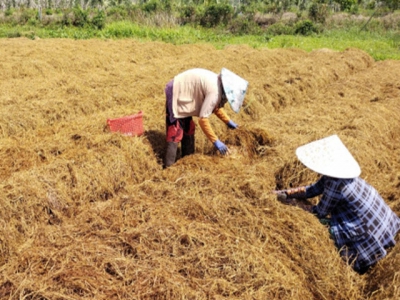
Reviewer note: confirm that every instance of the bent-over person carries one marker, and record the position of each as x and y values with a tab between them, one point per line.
199	93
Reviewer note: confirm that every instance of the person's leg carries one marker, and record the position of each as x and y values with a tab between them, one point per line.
174	131
188	141
170	154
362	269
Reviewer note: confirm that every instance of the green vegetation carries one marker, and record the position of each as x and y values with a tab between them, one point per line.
307	25
379	46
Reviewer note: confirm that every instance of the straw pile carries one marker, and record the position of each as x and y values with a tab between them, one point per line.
90	214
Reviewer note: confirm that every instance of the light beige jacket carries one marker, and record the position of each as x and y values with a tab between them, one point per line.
196	92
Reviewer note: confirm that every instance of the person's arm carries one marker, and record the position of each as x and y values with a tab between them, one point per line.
299	192
330	198
316	188
207	129
209	132
222	115
309	191
302	193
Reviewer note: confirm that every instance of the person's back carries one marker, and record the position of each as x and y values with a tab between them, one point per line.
196	93
361	221
376	215
361	208
195	75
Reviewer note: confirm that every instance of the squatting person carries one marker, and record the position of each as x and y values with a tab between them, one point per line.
360	222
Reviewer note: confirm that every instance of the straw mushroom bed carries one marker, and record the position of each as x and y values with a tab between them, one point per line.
90	214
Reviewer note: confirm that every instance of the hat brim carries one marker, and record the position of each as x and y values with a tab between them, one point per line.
235	88
330	157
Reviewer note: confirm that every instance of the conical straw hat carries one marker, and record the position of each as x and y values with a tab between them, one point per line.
329	156
235	88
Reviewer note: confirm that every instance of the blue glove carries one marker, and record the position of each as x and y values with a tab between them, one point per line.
221	147
232	125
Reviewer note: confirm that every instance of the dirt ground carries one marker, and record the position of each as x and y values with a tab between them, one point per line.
90	214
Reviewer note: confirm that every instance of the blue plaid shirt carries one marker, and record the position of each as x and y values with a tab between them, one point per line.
362	224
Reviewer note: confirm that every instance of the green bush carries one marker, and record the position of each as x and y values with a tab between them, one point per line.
243	25
318	12
151	6
80	17
396	40
370	5
392	4
8	12
305	27
354	9
345	5
167	5
117	13
259	7
188	14
67	18
216	14
279	29
99	20
14	34
30	35
76	17
28	16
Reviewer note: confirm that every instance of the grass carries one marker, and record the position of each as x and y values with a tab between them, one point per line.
380	46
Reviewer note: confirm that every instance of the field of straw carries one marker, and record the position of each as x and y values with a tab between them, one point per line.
90	214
